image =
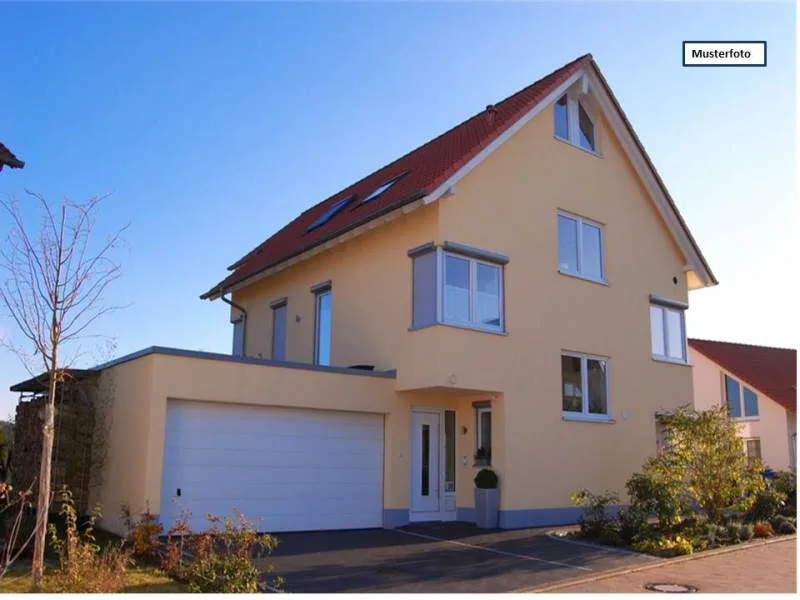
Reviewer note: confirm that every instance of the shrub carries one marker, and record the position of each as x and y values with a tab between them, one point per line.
703	461
652	495
595	518
785	482
783	525
630	522
746	532
766	505
733	532
143	533
82	566
715	534
486	479
220	560
763	530
664	545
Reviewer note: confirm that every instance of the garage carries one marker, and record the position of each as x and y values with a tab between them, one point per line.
289	469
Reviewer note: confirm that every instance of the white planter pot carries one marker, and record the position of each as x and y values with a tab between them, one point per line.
487	508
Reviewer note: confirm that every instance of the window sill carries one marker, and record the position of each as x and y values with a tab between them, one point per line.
458	326
583	278
586	419
746	419
581	148
671	361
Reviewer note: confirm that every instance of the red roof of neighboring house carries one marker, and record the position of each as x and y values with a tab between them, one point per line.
423	170
426	168
7	158
772	371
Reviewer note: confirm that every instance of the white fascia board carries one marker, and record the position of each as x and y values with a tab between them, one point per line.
501	139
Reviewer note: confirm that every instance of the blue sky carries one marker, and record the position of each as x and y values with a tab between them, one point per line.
214	124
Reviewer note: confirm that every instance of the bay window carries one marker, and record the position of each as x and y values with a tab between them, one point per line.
457	285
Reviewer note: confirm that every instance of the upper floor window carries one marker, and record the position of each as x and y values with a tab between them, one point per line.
742	401
457	285
667	333
580	247
471	292
573	123
584	386
322	325
279	312
238	337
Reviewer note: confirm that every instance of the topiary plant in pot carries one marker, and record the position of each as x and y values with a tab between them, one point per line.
487	499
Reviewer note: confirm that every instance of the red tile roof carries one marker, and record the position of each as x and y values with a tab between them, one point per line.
427	167
7	158
772	371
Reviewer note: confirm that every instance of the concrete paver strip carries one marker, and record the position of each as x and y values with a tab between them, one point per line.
759	567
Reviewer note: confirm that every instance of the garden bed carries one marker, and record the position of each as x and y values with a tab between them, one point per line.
700	492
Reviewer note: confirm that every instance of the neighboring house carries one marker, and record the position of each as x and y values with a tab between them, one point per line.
759	386
510	294
7	159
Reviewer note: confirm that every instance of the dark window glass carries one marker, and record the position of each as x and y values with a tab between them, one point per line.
279	333
572	393
732	396
426	459
561	119
750	403
449	451
328	214
586	129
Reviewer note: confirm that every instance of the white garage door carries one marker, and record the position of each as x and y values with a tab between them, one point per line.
290	469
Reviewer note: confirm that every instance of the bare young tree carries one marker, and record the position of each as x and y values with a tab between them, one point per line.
56	279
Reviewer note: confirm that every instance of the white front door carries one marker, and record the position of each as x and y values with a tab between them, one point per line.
425	458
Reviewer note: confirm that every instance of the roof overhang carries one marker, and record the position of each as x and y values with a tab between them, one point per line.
335	239
40	383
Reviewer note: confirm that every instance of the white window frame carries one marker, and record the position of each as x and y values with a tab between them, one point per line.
573	122
441	278
585	415
580	222
666	357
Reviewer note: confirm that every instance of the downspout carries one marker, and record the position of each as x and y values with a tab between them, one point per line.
242	310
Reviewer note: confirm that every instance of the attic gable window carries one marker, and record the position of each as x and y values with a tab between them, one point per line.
383	188
573	123
333	210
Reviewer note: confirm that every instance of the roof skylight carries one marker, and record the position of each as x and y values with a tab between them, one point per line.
382	188
328	214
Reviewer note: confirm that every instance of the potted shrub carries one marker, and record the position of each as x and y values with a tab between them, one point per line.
487	499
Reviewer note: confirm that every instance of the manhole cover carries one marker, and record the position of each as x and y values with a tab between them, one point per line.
671	588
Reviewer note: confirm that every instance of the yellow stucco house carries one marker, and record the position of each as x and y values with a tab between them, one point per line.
511	293
758	384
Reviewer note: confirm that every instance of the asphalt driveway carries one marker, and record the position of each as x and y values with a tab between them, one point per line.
440	557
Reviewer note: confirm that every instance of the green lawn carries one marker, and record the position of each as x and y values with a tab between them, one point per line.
140	580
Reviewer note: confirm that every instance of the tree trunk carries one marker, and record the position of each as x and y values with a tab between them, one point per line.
43	502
